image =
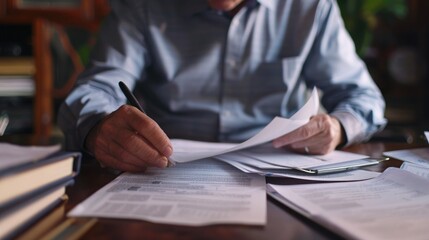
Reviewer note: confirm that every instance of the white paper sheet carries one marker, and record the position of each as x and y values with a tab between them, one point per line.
394	205
14	155
427	135
418	156
266	156
195	194
416	169
355	175
185	150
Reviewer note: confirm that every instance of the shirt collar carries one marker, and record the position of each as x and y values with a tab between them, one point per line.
193	7
270	4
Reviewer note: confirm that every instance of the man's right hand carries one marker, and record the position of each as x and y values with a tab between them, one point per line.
129	140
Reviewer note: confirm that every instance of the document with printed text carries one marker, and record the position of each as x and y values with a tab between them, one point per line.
416	169
394	205
417	156
194	194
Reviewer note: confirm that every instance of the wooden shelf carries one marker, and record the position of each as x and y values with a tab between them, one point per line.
86	14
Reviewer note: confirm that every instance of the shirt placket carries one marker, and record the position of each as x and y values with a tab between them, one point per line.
231	75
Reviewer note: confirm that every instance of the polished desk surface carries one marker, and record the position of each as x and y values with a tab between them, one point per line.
282	222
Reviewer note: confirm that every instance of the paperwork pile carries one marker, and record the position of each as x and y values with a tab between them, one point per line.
415	160
256	155
394	205
208	191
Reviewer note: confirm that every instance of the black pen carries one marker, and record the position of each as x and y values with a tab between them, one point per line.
130	96
133	100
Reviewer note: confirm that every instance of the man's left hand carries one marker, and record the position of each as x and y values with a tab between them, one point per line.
321	135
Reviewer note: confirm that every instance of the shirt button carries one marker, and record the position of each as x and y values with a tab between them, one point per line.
232	63
227	113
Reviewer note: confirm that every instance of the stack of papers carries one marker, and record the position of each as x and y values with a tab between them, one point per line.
266	161
256	155
392	206
415	160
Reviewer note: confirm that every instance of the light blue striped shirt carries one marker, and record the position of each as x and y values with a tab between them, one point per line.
206	76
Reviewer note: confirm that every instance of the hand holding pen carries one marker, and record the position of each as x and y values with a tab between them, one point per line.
134	102
129	140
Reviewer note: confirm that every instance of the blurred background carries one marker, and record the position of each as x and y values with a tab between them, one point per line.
44	44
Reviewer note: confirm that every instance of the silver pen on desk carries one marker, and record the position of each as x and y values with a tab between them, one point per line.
343	166
134	102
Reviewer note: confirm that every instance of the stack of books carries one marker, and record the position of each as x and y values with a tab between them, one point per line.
33	181
17	90
17	83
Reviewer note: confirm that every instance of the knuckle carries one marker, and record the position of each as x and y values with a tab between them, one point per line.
306	132
124	109
323	121
331	134
132	140
151	126
151	156
325	118
122	155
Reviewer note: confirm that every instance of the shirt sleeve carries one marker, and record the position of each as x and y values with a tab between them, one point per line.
349	92
119	55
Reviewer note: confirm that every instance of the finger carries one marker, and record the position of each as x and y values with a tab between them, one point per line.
327	139
130	147
315	141
300	134
123	162
148	129
315	145
107	160
126	145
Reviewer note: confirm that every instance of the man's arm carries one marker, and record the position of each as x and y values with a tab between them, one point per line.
350	96
119	55
349	92
92	118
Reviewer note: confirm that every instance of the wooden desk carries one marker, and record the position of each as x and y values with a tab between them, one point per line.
282	222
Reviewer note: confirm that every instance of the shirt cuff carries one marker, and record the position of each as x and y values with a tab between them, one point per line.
85	127
353	128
